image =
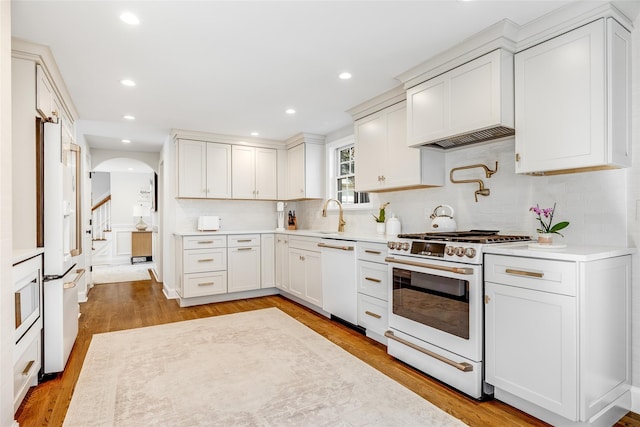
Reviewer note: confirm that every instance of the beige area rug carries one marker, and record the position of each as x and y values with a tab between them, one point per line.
121	273
257	368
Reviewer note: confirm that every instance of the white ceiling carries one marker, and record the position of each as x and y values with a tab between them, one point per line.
233	67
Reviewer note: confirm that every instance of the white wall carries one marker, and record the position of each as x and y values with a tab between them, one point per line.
594	203
6	246
125	193
100	186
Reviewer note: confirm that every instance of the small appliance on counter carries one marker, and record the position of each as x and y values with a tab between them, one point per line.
442	219
208	223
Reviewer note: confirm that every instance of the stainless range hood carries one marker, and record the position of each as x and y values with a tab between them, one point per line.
497	132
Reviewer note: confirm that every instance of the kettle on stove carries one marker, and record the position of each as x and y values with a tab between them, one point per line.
442	219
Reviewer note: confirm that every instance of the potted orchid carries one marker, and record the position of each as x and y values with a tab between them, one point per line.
547	227
380	219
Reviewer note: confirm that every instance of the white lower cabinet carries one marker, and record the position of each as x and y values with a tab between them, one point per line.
201	265
373	290
268	260
305	269
244	263
557	336
282	261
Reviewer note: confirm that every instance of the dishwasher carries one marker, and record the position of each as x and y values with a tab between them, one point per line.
339	284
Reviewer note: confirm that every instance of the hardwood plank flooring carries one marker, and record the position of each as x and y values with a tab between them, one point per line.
114	307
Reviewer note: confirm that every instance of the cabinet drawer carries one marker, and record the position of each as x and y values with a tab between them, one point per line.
375	252
373	279
204	242
306	243
26	365
531	273
198	285
198	261
373	314
244	240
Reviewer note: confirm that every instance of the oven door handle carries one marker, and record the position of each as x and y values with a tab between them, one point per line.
459	270
463	366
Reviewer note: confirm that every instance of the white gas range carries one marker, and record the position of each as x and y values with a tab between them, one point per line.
436	313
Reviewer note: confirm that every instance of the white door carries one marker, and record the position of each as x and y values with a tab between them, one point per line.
295	172
268	260
371	146
243	172
403	163
243	269
297	275
313	274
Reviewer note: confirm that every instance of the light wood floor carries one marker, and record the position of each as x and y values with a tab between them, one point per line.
114	307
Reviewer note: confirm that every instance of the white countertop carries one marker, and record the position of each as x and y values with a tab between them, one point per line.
20	255
569	253
364	237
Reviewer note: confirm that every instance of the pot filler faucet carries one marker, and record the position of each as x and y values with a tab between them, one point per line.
341	221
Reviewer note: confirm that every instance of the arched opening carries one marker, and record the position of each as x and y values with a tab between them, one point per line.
124	219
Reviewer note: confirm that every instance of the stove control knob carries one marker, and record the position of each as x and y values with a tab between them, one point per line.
470	252
459	251
449	250
406	246
391	245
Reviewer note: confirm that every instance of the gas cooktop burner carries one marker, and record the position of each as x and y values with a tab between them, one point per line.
476	236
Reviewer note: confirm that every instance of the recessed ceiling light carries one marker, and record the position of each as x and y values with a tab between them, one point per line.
290	111
254	134
344	76
128	117
126	141
129	18
127	82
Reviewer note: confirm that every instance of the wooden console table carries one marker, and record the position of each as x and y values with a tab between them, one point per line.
141	246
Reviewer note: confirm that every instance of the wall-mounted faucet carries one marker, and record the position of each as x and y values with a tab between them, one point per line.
481	191
341	221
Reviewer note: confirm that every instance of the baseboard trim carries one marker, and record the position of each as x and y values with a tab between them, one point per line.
635	399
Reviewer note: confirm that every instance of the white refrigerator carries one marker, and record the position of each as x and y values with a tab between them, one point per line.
59	182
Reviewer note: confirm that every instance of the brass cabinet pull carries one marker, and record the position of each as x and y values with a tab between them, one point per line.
27	368
245	249
74	282
369	251
243	240
205	242
463	366
459	270
377	316
371	279
524	273
206	260
342	248
206	284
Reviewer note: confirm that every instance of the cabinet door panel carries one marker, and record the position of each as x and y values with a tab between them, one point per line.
531	346
560	102
243	172
313	274
403	164
267	260
218	171
474	91
192	169
428	106
295	172
243	269
371	144
266	174
296	272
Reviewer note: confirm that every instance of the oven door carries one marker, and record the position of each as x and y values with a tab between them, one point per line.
437	302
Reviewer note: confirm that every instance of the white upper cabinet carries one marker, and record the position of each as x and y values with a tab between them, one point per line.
204	169
383	161
476	97
305	171
573	101
254	173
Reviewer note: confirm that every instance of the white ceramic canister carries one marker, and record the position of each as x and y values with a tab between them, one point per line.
393	226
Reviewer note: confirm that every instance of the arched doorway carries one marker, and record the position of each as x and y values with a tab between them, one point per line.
124	192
